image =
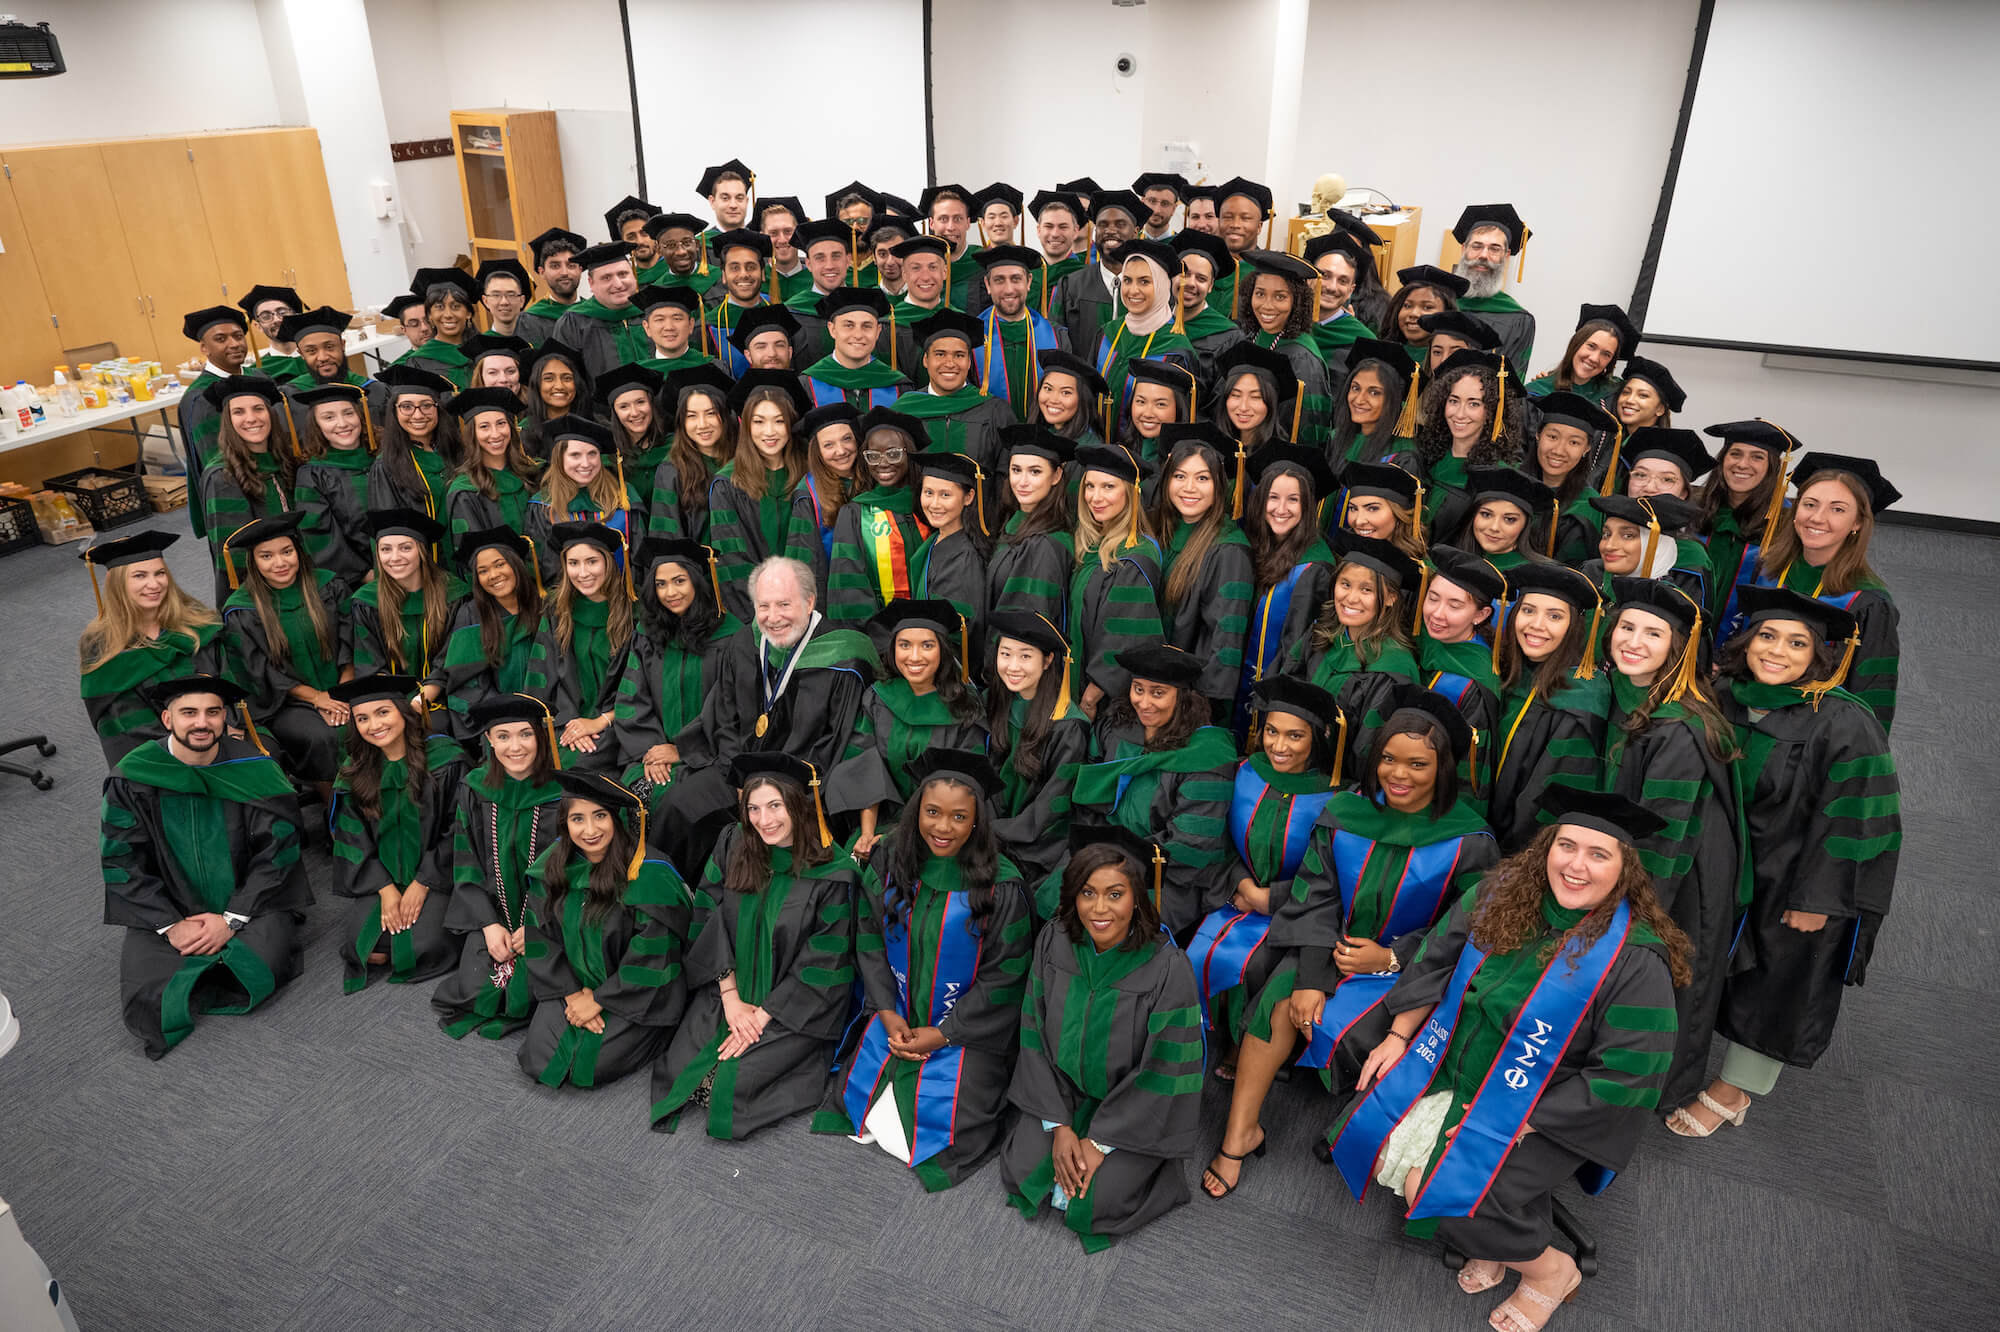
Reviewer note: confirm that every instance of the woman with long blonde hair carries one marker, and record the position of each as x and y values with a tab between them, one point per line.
579	653
493	485
401	617
1115	581
147	630
584	483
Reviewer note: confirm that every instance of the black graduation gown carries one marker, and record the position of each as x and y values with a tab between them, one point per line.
1543	745
953	570
1082	304
813	720
1129	1079
1593	1108
892	730
1695	863
148	836
1033	826
467	1000
791	947
310	747
360	874
1823	809
630	960
334	501
1031	576
1213	619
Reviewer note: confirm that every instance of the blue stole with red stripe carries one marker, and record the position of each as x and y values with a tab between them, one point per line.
1420	898
732	360
1267	629
952	973
1222	947
825	394
1534	1046
819	517
1041	336
1732	618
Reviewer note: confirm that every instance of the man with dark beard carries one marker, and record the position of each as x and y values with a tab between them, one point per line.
626	221
200	842
555	253
1198	210
1162	192
1243	212
1492	234
1087	297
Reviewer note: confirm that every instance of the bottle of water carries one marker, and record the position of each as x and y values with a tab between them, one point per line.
68	401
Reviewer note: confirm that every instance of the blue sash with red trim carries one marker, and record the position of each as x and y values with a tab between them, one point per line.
825	395
1455	688
1419	899
1222	948
952	973
1732	618
1534	1046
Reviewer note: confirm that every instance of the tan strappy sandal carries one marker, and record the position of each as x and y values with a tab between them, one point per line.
1687	1126
1509	1318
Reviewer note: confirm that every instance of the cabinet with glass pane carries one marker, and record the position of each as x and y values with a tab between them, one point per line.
510	176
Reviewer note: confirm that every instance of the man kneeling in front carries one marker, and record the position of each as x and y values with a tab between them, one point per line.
201	865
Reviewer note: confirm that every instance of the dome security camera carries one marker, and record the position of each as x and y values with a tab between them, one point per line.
1127	64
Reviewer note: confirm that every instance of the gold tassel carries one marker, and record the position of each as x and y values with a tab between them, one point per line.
1339	745
229	556
639	851
1045	294
368	425
1472	761
1252	733
701	317
1611	469
535	566
1315	302
1061	708
1652	540
1406	423
250	730
1242	470
1159	873
1235	288
625	540
1500	403
964	652
96	593
1298	408
1555	519
1819	689
1180	321
892	337
250	339
825	833
1586	665
1683	680
979	501
714	581
555	750
1417	512
1776	507
298	446
774	281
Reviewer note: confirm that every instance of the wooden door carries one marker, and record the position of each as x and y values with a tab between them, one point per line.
29	347
311	238
243	199
66	200
166	231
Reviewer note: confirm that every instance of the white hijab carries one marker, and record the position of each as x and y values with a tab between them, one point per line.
1162	312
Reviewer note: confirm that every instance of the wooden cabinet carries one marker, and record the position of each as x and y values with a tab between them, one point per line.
71	217
1398	231
116	241
166	234
510	177
29	346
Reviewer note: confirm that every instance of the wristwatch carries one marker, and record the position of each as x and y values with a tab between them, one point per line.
1395	963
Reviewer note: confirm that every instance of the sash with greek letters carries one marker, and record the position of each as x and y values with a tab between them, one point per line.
1420	897
1534	1046
953	969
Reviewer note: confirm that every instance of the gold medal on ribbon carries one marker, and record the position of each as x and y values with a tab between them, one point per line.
763	724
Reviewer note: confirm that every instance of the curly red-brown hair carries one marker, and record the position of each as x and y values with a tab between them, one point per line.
1509	910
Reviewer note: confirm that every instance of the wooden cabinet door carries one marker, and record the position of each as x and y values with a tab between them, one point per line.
29	347
71	214
159	205
311	239
242	197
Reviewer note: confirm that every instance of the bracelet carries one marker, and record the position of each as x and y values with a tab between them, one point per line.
1102	1150
1398	1035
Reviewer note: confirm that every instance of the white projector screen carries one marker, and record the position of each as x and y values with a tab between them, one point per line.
810	95
1839	153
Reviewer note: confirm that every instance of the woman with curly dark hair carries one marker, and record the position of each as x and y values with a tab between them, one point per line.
1382	864
1282	310
942	944
1541	1012
606	927
392	812
1471	413
770	961
925	700
1164	772
1109	1078
1668	747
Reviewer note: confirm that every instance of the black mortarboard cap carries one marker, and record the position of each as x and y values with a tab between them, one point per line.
622	378
413	523
1407	697
1384	557
785	381
252	534
711	175
1109	459
262	292
1607	812
1123	200
629	206
1056	361
242	386
1161	180
1462	324
197	322
760	318
1162	663
1621	323
1309	460
968	764
427	280
1881	495
1468	571
117	552
1430	275
1499	215
597	256
555	238
1573	409
163	694
1683	447
1661	378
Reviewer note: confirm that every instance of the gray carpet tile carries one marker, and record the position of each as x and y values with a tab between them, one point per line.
351	1168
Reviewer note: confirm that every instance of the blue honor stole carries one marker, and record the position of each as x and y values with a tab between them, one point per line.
1267	630
1222	948
1419	898
1041	337
952	973
1541	1032
1732	617
819	517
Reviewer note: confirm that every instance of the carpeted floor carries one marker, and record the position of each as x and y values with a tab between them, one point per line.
336	1162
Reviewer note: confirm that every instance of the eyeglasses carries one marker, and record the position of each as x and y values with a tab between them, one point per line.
884	455
415	408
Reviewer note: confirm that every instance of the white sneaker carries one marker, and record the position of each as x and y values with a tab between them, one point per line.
10	1026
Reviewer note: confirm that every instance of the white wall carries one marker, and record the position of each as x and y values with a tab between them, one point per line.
809	94
138	69
405	35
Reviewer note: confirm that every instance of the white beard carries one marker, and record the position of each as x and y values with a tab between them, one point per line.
1484	283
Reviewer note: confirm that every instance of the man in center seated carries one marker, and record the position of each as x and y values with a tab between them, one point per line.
789	683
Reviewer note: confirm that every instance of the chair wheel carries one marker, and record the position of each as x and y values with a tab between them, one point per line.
1323	1152
46	749
41	783
1587	1264
1453	1259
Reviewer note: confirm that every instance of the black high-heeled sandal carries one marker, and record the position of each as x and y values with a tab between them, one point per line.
1228	1189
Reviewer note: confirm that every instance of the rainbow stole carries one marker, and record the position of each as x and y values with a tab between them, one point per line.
952	973
1041	337
1541	1033
1222	947
1420	895
890	558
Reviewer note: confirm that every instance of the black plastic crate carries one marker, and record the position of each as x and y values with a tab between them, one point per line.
17	526
121	501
